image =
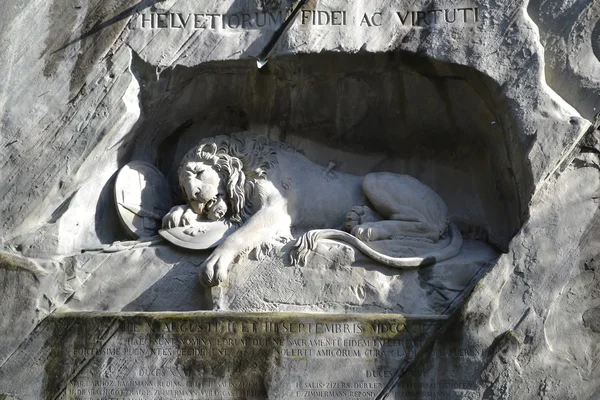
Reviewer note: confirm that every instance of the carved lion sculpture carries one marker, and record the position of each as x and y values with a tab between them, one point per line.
269	189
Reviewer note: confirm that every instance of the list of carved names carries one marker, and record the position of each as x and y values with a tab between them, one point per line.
197	360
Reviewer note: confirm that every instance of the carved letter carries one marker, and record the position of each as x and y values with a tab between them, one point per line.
237	21
334	17
453	18
365	20
421	16
213	20
377	14
305	16
173	21
149	20
278	20
163	21
245	20
182	21
258	23
321	13
402	19
435	20
197	22
464	10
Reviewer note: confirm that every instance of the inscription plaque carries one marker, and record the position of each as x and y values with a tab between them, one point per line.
206	355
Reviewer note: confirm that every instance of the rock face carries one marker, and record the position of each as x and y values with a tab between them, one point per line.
492	105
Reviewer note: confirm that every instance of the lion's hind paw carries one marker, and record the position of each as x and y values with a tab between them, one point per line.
359	215
364	233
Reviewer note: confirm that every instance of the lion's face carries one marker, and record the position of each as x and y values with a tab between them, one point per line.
202	186
223	169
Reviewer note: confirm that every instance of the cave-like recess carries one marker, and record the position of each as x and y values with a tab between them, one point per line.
443	123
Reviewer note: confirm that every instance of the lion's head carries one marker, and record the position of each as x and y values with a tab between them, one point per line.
239	160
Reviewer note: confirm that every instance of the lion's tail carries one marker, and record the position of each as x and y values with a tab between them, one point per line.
309	240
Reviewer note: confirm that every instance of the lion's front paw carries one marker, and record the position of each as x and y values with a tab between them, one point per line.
179	216
173	217
213	271
189	217
195	230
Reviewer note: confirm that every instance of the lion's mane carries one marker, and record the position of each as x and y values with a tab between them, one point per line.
240	159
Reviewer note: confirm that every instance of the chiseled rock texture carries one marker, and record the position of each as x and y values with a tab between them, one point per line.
536	312
571	50
336	279
492	111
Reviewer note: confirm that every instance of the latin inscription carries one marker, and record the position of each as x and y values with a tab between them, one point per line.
210	21
228	357
321	18
462	15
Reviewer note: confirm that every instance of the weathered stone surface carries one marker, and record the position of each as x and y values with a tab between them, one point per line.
336	280
571	50
489	110
20	285
166	281
534	310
